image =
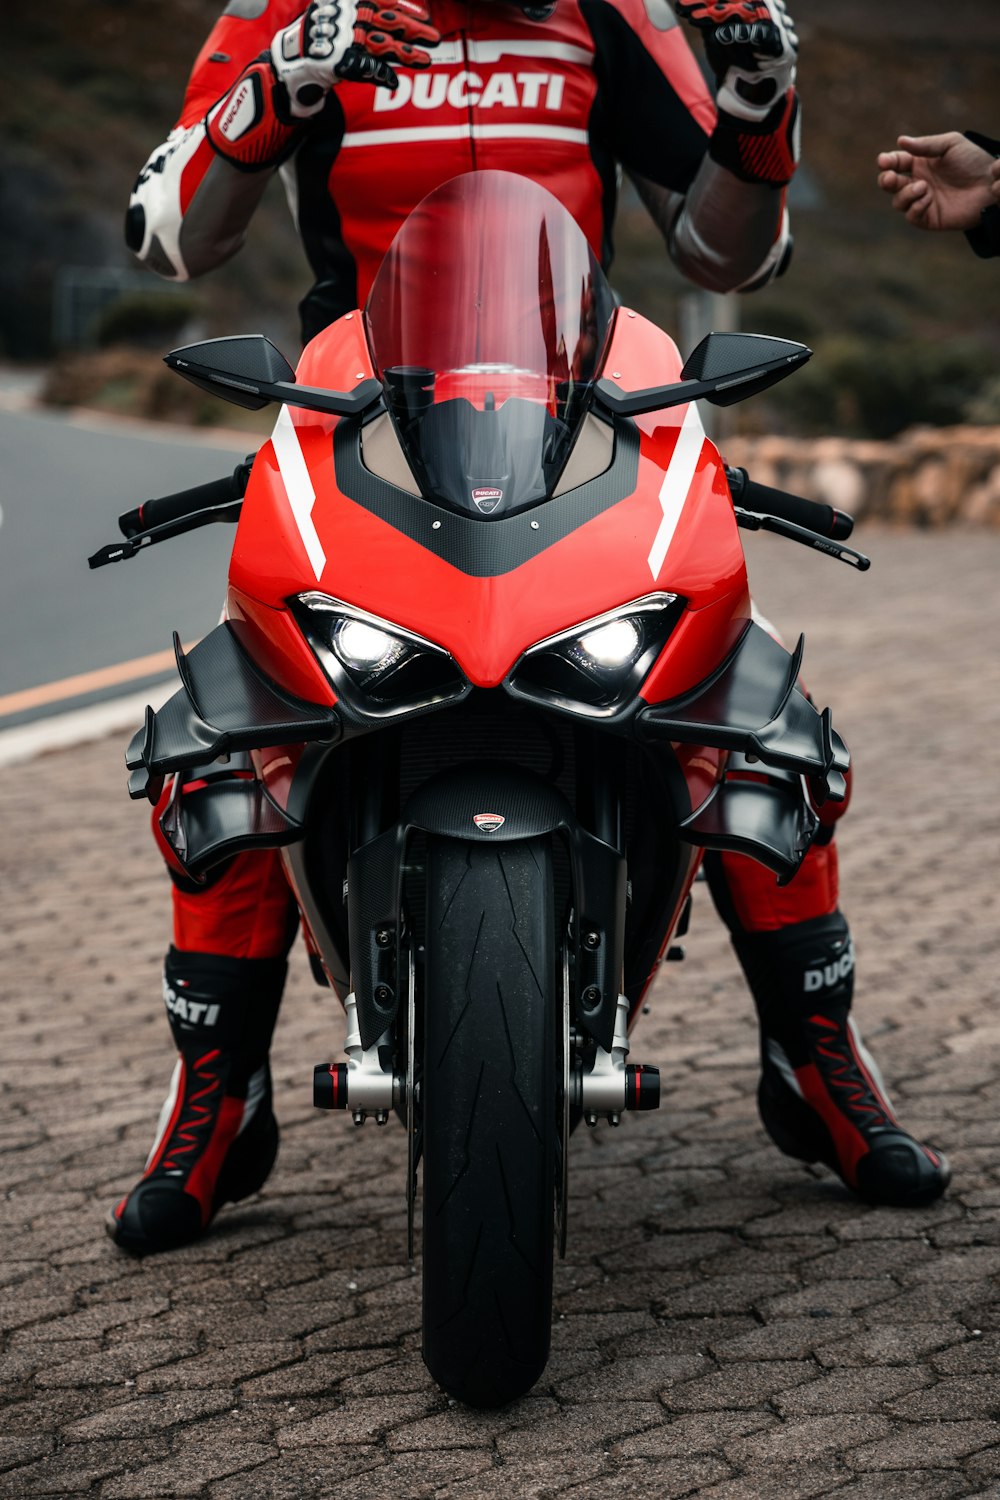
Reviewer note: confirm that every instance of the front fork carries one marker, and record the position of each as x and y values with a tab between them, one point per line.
597	1079
611	1085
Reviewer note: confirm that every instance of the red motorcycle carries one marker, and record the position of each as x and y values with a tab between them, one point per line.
487	672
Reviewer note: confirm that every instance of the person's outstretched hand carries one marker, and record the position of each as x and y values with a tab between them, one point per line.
940	181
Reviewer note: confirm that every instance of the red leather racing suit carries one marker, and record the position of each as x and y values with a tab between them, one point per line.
595	87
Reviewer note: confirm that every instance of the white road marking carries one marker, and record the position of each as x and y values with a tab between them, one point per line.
82	725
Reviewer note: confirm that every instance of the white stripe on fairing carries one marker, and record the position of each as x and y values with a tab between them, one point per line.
298	487
676	485
464	133
165	1112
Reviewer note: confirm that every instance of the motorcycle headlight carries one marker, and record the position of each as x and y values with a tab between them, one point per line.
598	666
380	667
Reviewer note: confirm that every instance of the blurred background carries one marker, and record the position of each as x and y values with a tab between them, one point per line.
906	326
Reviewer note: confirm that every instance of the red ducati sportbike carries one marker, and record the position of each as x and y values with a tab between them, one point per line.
487	672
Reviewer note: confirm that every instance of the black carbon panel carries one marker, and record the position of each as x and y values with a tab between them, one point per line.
478	546
746	694
718	357
248	356
225	704
522	805
772	824
752	705
204	826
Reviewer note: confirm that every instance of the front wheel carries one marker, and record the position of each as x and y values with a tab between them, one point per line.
488	1097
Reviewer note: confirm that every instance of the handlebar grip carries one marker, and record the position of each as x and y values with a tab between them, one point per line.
801	512
186	502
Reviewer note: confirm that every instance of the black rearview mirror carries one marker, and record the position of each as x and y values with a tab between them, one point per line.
251	372
738	365
725	368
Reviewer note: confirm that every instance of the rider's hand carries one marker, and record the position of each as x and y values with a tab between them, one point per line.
357	40
940	181
752	48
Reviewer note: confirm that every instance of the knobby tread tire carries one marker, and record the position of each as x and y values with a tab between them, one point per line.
488	1098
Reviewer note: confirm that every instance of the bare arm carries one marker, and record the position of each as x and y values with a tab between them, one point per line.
940	181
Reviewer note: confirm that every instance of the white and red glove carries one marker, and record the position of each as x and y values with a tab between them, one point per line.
752	48
357	40
255	124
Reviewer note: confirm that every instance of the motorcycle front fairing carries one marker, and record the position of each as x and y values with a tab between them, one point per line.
473	541
487	608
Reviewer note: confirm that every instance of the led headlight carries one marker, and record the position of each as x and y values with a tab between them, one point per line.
364	650
380	667
609	647
598	667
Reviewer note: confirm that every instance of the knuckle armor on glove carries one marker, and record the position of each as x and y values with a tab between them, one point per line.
752	48
355	40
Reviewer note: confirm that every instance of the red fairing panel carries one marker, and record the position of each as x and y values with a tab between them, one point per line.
271	636
481	338
486	623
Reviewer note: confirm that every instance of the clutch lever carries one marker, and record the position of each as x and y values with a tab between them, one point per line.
751	521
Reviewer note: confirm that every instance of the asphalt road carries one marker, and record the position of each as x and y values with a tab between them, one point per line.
63	482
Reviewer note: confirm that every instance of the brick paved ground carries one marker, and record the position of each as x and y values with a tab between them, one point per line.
729	1324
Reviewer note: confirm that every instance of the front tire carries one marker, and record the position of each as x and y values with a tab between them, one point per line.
489	1117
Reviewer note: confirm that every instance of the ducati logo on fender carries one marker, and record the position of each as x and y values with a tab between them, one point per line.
487	497
489	822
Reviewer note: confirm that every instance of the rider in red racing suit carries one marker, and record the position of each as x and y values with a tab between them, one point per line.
564	93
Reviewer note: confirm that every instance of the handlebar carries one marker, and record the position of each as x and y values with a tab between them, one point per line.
157	520
766	501
167	508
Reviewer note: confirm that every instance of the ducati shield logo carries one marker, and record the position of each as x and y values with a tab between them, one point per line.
487	497
489	822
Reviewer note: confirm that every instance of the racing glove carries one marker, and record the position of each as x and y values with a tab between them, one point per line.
255	124
752	48
357	40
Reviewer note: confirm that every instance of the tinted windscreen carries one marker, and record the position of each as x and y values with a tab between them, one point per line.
488	321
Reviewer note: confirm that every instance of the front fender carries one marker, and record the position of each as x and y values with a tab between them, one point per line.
476	804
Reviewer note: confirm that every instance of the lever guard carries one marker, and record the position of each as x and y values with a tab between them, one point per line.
123	550
751	521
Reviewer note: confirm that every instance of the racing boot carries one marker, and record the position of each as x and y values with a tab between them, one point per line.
821	1095
217	1137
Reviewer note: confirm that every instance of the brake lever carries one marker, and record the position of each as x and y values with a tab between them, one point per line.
122	551
750	520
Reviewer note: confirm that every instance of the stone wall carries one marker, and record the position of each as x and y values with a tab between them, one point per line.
929	476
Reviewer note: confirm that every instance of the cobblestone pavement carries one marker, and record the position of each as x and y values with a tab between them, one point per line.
728	1324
